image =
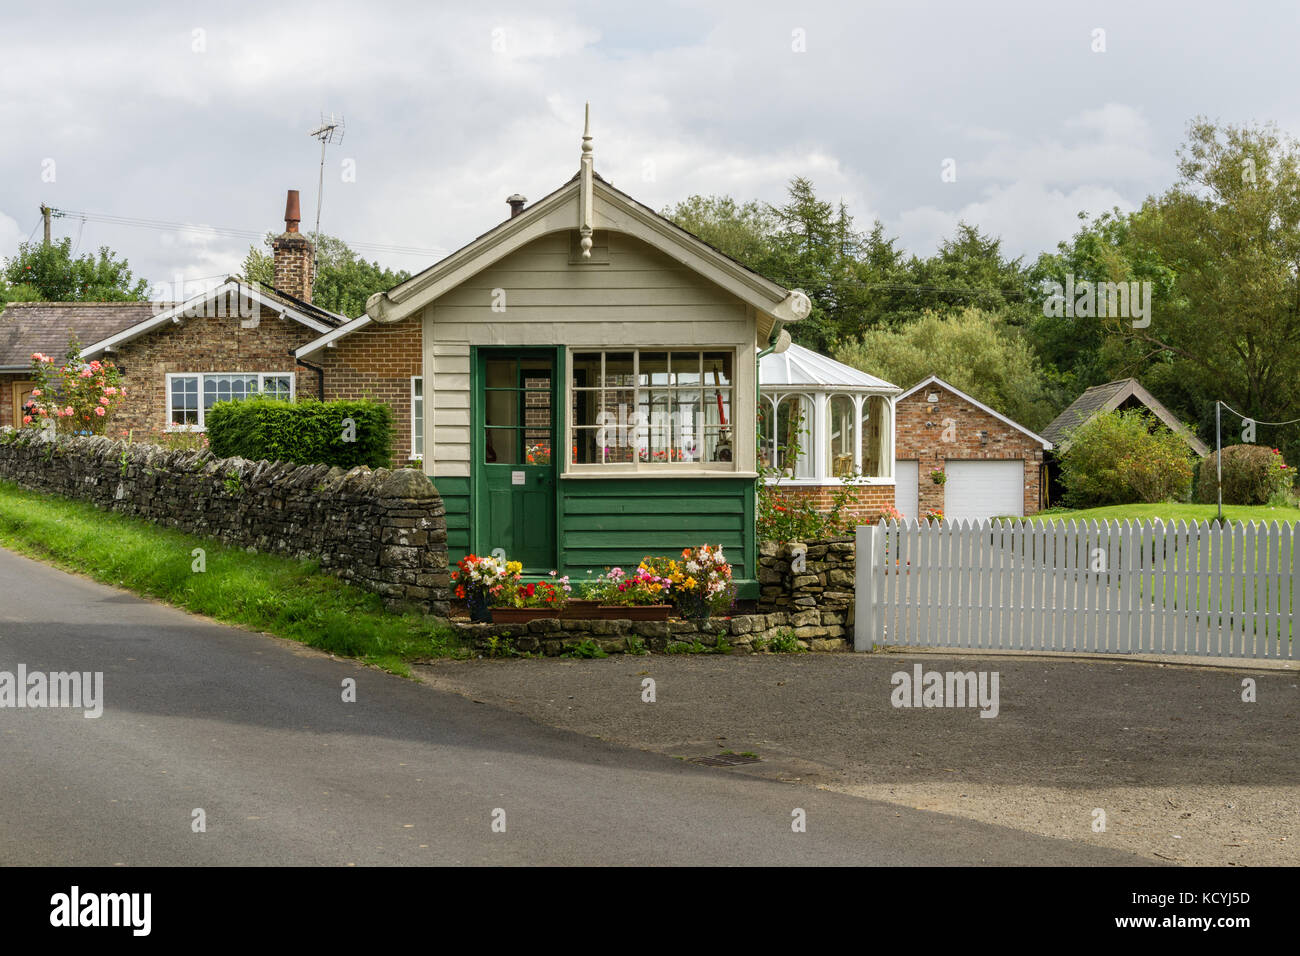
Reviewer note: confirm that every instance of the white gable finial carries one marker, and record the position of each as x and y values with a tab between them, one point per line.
584	194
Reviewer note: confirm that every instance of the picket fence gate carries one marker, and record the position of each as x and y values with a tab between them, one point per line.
1115	587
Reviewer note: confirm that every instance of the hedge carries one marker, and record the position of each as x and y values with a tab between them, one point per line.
1252	475
306	432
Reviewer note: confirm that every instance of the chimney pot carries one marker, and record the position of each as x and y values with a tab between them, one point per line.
292	212
516	204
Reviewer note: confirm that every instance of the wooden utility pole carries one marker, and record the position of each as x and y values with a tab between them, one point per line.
45	214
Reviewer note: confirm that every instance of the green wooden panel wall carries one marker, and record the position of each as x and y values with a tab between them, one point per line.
455	497
618	521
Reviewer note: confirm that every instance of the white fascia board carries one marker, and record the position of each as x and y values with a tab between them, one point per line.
332	336
178	311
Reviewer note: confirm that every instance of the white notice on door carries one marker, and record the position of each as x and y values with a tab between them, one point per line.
516	477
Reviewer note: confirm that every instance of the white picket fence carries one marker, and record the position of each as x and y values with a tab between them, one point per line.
1115	588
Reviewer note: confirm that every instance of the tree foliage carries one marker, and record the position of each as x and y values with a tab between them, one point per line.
1120	458
976	351
51	273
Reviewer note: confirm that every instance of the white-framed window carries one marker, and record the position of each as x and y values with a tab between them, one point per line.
652	409
417	416
191	394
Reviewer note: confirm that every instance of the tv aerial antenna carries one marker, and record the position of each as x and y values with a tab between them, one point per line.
329	131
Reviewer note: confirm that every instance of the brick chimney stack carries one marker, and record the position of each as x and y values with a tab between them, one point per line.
294	254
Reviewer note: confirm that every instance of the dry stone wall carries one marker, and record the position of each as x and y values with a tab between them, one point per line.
384	531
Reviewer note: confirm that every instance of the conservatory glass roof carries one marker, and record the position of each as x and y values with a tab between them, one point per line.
798	367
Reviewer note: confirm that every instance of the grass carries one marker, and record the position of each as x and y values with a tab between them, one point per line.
281	596
1173	511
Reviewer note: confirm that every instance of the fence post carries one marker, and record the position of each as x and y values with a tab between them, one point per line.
864	587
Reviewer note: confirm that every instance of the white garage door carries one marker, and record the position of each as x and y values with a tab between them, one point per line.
983	489
905	490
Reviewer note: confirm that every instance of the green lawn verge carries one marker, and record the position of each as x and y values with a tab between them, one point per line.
281	596
1174	512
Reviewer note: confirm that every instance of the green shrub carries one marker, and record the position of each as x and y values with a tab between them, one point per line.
1121	458
306	432
1252	475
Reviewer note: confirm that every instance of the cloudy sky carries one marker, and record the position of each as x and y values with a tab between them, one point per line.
200	113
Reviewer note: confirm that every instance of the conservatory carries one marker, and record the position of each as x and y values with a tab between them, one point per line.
839	420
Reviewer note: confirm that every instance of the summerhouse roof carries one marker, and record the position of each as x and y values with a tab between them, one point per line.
799	367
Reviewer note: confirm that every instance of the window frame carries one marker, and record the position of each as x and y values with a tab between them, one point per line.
817	445
201	426
417	452
636	467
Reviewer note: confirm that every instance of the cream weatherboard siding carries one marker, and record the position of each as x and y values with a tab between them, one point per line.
633	296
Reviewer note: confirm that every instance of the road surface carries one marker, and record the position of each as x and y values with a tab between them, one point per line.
254	732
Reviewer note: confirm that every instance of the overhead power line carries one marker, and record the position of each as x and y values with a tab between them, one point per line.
201	229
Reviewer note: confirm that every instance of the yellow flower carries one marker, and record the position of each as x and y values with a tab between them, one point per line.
514	567
689	584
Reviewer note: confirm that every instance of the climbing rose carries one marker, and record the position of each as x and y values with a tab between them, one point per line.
99	410
27	419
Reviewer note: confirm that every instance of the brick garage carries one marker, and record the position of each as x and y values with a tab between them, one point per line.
376	362
940	427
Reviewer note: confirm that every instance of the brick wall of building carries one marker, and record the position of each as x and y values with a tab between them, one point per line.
866	502
955	433
203	344
377	362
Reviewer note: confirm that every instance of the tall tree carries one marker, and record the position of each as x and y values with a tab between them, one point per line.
976	351
50	273
1230	232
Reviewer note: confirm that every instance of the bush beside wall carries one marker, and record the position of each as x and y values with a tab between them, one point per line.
305	432
1252	475
384	531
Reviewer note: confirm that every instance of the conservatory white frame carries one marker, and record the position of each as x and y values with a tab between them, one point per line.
817	439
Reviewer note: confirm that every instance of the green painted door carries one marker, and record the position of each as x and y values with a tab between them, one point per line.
514	448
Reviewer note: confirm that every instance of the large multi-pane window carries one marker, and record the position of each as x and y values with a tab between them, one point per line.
652	407
189	396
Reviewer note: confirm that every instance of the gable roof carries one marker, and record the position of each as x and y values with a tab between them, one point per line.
936	380
314	318
614	211
798	367
1109	397
27	327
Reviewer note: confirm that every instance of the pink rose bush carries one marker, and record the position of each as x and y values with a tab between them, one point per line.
79	396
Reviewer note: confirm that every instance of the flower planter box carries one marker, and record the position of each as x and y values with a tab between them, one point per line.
522	615
634	612
580	610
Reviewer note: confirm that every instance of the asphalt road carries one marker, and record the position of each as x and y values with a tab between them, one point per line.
254	731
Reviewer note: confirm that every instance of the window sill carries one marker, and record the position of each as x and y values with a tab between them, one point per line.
813	482
664	473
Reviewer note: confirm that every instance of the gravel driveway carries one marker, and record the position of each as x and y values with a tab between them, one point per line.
1184	770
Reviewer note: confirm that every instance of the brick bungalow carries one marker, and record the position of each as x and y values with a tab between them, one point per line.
234	340
992	466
